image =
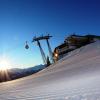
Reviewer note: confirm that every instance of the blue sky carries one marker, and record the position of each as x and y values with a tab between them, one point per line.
20	20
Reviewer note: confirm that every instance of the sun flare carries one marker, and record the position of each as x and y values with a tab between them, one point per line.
4	64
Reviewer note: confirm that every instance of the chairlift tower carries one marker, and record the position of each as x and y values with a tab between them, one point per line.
47	37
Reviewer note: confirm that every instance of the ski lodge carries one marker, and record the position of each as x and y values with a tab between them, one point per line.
71	43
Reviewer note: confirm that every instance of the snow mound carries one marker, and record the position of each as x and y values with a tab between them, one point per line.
75	77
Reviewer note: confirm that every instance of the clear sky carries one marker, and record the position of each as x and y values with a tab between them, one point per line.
20	20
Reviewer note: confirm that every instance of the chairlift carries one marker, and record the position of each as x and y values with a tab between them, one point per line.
26	46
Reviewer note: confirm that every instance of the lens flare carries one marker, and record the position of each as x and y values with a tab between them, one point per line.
4	66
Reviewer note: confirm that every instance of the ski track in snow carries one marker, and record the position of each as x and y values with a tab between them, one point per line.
75	77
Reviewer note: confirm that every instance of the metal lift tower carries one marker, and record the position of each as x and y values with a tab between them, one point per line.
47	37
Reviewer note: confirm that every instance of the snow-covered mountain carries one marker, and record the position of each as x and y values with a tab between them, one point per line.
75	77
16	73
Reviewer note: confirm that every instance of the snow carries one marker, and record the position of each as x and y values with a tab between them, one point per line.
75	77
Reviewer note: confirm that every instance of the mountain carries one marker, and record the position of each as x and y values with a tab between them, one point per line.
16	73
74	77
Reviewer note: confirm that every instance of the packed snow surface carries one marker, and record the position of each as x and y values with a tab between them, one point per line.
75	77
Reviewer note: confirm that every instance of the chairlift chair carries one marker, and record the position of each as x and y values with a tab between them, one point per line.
26	46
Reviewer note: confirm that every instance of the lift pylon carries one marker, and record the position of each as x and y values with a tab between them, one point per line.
47	37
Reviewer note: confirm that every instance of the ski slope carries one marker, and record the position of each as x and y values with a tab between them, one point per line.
75	77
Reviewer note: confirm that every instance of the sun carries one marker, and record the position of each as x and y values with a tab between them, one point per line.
4	64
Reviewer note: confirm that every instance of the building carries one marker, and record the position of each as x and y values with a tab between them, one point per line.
61	50
78	41
71	43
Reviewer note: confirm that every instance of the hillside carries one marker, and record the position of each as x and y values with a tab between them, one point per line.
16	73
75	77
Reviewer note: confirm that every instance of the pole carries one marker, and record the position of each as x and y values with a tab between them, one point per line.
50	51
42	53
